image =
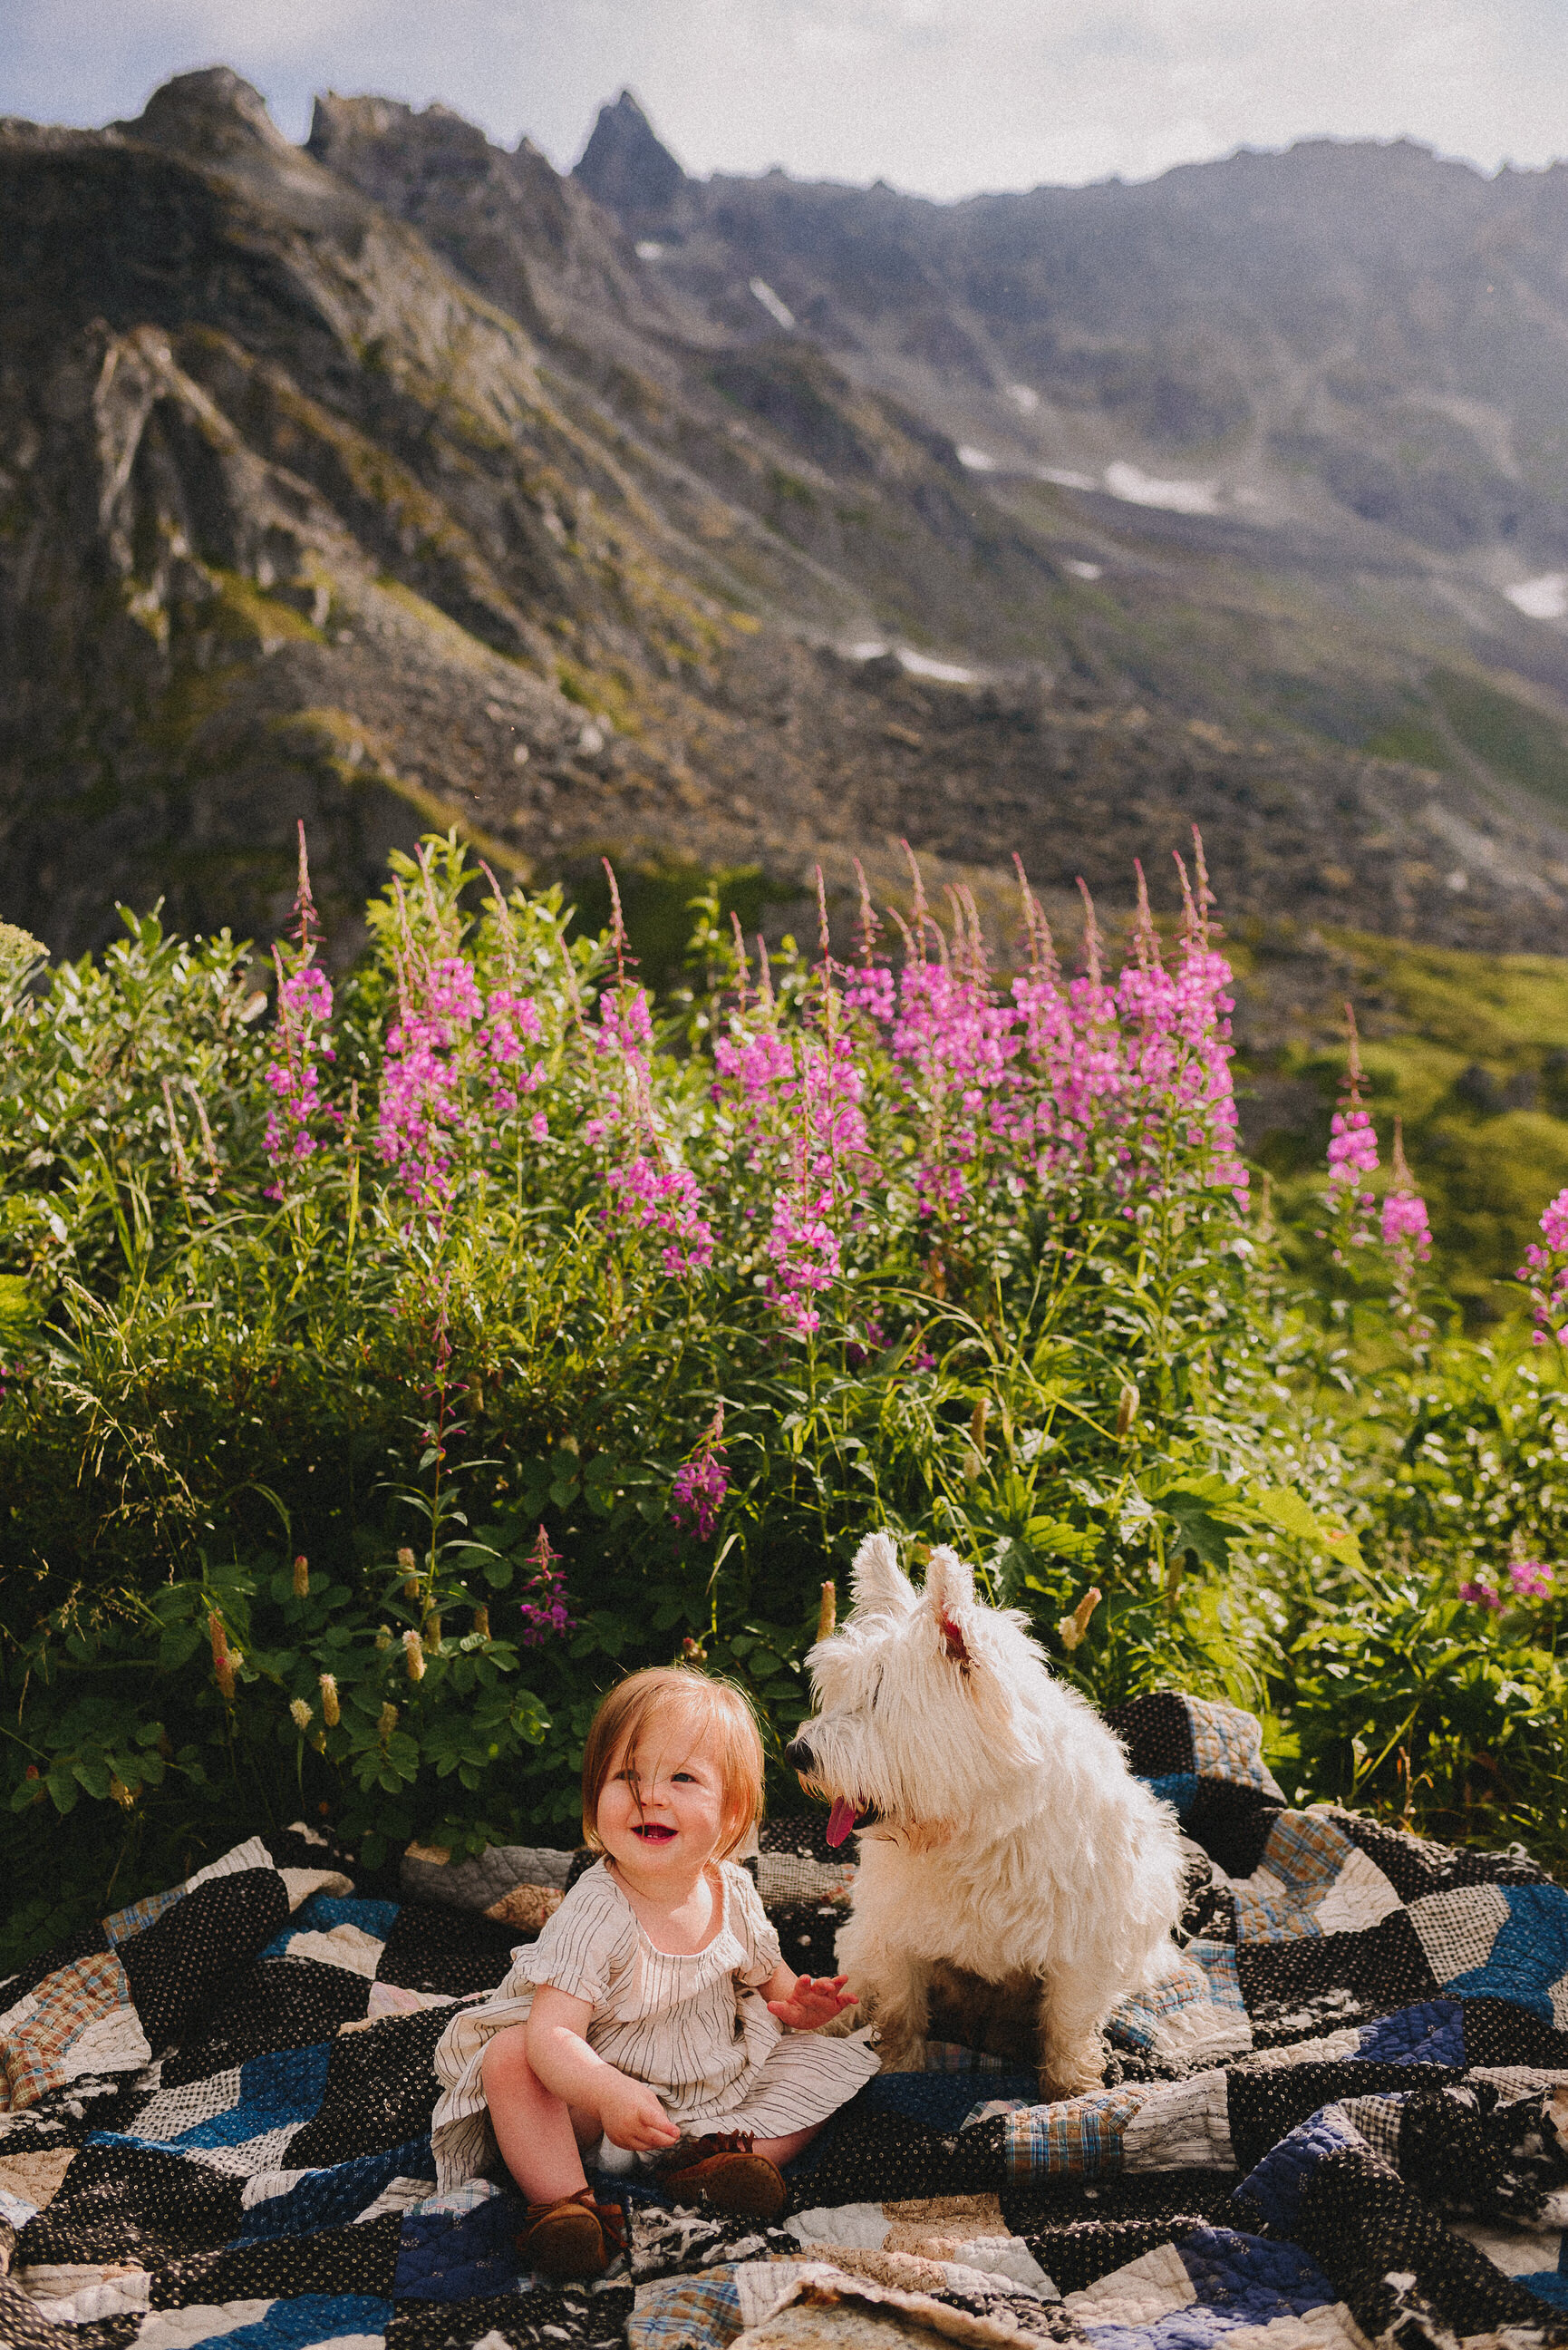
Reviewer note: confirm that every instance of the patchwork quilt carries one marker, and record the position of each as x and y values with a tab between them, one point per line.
1344	2120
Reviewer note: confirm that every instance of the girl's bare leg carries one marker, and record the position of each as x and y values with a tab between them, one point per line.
780	2150
542	2138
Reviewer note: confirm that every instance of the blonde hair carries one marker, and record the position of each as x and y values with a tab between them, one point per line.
718	1709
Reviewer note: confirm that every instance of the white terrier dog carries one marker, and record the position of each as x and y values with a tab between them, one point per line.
1003	1832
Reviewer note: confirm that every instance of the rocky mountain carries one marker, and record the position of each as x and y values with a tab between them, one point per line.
402	480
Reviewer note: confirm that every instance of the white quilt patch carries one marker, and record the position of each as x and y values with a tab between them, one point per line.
1458	1930
1181	2126
1359	1896
1153	2286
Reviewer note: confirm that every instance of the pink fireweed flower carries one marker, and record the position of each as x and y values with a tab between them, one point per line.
1352	1155
651	1196
455	1064
804	1252
1406	1236
1545	1271
301	1041
1353	1143
701	1484
1481	1594
1530	1578
544	1612
1353	1147
1405	1224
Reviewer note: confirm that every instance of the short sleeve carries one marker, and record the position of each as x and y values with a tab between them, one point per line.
585	1946
752	1927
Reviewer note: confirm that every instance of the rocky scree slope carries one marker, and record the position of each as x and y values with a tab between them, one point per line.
403	480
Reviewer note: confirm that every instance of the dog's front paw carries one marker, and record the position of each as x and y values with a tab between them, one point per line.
1073	2072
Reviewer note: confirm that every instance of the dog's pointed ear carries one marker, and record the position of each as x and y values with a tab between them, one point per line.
879	1585
950	1595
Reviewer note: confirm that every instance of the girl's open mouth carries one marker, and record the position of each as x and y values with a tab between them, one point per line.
653	1832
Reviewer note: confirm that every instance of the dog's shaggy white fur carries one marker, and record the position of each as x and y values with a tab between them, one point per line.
1005	1833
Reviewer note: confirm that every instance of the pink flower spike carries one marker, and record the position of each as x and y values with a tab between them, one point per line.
1481	1594
1530	1578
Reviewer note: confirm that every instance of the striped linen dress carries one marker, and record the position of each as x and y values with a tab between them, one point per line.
694	2028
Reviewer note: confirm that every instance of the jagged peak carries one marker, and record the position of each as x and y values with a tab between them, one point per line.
626	164
213	111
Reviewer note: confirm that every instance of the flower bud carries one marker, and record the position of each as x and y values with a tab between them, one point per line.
414	1653
1073	1627
301	1712
302	1578
223	1657
331	1712
121	1794
482	1622
410	1567
430	1632
1127	1409
388	1722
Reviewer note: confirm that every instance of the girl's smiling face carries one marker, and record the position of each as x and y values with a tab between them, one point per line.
662	1815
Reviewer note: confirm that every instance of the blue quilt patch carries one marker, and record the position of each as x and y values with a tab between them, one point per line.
331	2197
308	2319
447	2256
1277	2182
1432	2033
1530	1954
1251	2279
1176	1788
325	1910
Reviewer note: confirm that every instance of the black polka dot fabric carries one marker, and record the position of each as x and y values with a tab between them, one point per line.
1368	2228
526	2321
872	2157
1416	1866
1308	1984
808	1931
184	1962
379	2091
801	1832
432	1949
361	2258
1157	1731
1231	1824
1498	2033
125	2202
278	2004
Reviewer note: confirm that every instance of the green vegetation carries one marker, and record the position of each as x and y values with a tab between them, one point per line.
387	1364
1470	1052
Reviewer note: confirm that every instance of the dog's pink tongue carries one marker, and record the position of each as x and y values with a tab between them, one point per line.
840	1820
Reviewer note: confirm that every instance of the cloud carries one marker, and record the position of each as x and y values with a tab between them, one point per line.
939	95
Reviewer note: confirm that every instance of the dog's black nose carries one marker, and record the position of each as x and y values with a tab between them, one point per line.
799	1756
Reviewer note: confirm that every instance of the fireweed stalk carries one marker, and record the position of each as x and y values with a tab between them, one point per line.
457	1064
648	1190
1545	1274
302	1040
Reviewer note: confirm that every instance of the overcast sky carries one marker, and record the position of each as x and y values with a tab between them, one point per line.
939	95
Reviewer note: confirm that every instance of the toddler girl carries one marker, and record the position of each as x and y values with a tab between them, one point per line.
655	2011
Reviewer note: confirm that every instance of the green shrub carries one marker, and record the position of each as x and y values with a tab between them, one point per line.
561	1332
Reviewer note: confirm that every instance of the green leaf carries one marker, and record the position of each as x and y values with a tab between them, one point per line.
1204	1514
1283	1506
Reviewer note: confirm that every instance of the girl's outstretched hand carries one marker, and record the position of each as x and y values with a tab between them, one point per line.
813	2002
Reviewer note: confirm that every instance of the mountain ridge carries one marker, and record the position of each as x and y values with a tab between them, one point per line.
399	479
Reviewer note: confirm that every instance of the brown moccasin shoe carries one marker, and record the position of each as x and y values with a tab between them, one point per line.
573	2237
726	2171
